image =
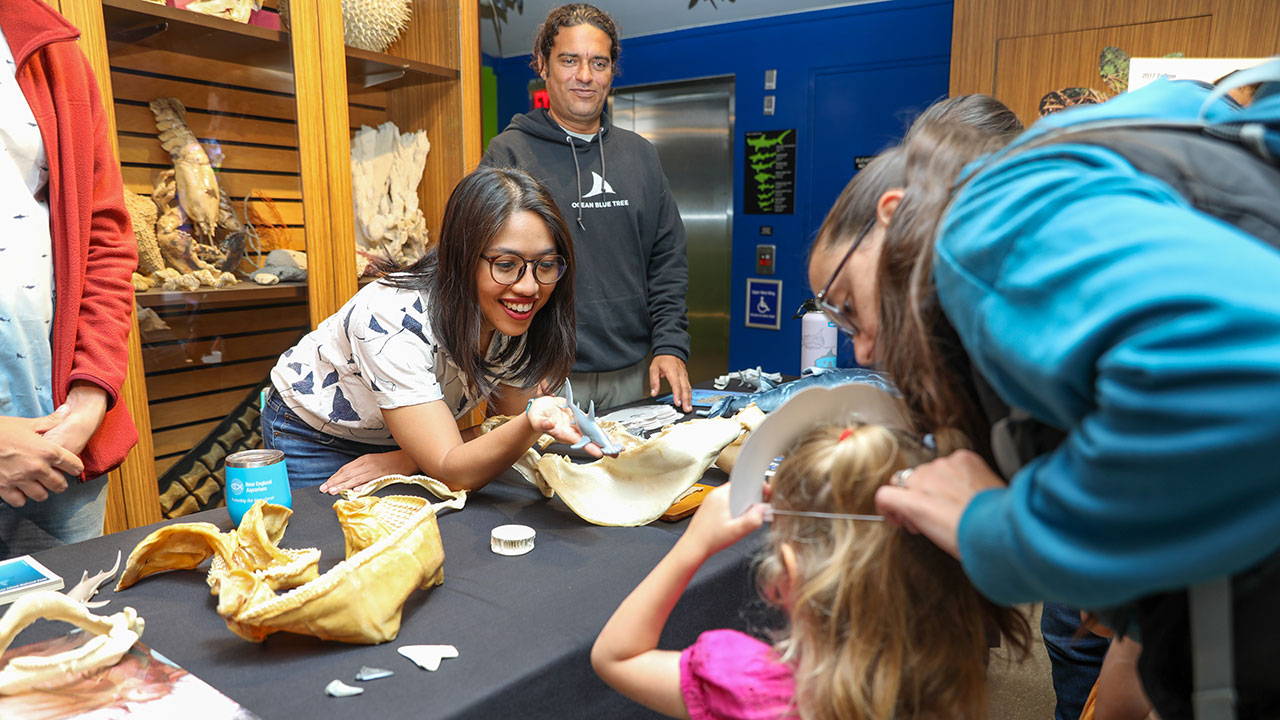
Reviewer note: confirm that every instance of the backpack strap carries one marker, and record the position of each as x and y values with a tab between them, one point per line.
1212	656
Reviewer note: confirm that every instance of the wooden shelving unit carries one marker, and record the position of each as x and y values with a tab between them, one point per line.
279	106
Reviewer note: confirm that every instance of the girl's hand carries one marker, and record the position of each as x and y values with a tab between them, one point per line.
713	529
550	415
933	497
369	467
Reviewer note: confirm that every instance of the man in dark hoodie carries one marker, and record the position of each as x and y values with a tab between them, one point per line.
629	242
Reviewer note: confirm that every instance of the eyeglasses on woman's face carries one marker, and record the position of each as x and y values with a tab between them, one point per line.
842	316
507	269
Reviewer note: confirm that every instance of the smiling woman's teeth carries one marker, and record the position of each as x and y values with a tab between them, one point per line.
517	307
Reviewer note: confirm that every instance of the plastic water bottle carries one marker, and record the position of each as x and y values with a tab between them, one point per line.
818	338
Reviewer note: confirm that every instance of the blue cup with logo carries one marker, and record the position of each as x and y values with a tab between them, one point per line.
255	475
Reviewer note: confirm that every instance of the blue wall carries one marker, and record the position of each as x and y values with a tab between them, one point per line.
849	81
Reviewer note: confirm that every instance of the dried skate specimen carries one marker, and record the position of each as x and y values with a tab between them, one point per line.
115	635
393	547
639	484
198	193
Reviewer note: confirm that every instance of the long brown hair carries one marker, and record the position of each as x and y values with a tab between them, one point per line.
567	16
478	208
924	357
869	598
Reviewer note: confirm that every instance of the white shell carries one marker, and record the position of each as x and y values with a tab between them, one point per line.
511	539
372	673
337	688
428	657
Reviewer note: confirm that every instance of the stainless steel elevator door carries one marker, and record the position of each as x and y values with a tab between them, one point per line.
690	123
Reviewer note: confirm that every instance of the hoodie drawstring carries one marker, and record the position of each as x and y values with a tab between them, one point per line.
577	175
577	170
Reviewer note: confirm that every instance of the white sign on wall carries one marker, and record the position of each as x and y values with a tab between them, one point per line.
1145	70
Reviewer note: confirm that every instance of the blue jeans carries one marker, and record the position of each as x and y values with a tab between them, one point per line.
67	517
1074	661
310	456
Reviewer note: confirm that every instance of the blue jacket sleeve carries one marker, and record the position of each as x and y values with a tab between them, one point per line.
1096	299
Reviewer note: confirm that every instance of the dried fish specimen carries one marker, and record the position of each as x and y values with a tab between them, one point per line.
176	245
638	485
337	688
115	635
428	657
198	193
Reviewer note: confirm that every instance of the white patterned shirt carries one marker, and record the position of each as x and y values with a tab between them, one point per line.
26	255
376	353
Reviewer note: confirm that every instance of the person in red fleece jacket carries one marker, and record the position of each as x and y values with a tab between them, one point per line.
66	254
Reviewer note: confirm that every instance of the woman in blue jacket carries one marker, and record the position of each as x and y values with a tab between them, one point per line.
1097	300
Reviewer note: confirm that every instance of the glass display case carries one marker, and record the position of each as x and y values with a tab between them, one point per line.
234	140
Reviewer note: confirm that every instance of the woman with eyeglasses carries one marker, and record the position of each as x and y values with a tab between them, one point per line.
1127	321
485	316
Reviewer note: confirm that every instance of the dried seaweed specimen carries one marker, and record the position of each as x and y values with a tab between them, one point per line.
115	635
197	188
638	485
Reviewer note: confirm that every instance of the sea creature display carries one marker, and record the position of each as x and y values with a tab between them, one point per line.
367	24
751	377
281	266
115	634
197	188
143	215
386	167
638	485
772	399
392	548
586	422
234	10
84	590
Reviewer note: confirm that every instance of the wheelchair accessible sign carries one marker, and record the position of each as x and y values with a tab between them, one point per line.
764	298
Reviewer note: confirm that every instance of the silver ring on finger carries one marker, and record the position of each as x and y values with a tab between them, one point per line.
900	478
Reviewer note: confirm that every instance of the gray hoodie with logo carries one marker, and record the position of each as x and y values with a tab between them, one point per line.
628	240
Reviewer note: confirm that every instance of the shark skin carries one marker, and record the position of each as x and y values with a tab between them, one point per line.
586	422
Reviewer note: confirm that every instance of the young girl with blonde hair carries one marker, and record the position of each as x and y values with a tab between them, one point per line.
881	623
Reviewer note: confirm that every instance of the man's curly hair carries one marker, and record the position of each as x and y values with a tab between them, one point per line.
567	16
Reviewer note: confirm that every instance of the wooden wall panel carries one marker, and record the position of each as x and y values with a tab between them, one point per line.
1030	66
984	34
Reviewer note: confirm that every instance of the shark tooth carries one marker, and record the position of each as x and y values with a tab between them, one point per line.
428	657
337	688
372	673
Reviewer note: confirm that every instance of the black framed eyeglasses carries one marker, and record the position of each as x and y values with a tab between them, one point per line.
508	269
840	316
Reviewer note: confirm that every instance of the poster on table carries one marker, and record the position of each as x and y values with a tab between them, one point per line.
769	174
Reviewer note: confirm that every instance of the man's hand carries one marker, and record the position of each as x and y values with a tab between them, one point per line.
367	468
673	369
32	466
86	407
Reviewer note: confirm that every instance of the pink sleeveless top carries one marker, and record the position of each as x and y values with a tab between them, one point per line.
727	675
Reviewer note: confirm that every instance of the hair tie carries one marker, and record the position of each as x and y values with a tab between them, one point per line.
845	435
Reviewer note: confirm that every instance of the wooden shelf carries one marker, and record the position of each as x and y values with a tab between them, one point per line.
242	292
159	27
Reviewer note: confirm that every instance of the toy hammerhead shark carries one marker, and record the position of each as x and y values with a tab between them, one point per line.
586	422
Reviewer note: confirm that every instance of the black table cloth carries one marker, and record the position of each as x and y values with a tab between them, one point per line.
523	625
